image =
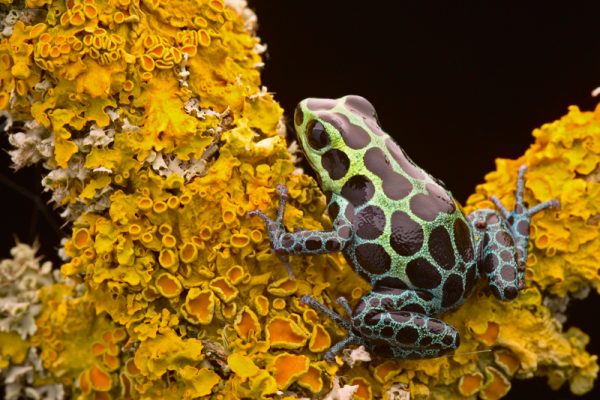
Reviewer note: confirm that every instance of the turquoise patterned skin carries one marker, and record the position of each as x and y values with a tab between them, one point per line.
401	230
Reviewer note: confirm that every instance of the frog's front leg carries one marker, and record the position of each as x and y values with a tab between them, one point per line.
284	243
393	323
504	240
519	219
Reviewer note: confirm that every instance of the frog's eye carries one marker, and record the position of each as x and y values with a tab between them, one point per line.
317	135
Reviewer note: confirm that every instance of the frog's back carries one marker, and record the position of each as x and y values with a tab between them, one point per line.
409	231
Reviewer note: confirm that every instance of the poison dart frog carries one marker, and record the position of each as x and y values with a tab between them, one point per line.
401	230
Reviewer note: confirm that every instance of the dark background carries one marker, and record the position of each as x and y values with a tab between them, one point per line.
456	84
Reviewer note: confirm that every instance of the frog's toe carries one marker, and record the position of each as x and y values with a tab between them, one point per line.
259	214
282	190
311	301
539	207
344	303
329	356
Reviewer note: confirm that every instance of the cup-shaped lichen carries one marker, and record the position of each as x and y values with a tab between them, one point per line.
158	140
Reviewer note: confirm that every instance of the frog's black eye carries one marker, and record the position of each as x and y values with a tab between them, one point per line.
317	135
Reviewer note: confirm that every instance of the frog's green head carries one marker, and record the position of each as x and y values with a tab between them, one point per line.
333	134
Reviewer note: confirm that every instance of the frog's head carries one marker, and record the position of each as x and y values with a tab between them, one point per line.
333	134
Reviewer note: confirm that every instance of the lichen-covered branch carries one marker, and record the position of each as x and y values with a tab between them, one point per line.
158	139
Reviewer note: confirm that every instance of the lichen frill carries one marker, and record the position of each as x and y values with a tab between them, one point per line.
158	140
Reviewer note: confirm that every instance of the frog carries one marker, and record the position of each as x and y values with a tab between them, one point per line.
401	230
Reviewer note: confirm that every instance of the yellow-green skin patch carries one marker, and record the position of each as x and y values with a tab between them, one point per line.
401	230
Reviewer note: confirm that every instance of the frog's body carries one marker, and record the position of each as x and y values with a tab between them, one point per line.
401	230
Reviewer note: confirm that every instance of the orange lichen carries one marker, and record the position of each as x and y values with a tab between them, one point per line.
168	285
319	339
188	253
279	304
287	368
364	388
199	306
261	305
235	274
283	287
246	323
167	258
159	139
81	238
507	361
386	370
310	316
311	380
224	289
99	379
239	240
228	310
84	382
496	384
286	334
470	384
490	335
110	362
130	367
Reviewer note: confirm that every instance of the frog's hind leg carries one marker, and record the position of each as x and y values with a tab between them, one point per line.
394	322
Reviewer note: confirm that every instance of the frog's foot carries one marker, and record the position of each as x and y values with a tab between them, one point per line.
520	209
350	339
276	229
301	241
519	218
274	226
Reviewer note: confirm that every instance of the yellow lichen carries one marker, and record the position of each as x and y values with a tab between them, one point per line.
496	385
319	339
199	306
284	333
508	362
470	384
247	323
168	285
364	389
311	380
161	140
288	367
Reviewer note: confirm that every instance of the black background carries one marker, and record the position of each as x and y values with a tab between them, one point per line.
457	84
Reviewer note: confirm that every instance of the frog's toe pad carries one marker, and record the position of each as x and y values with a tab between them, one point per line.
329	357
282	189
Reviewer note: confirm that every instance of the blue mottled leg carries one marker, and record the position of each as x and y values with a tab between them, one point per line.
308	242
393	323
396	324
311	301
520	218
344	303
504	240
